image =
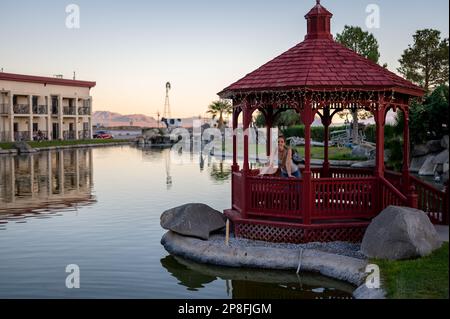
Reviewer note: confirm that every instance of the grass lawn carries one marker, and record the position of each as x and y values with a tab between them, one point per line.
41	144
423	278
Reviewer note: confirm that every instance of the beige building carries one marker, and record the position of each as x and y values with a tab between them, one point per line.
34	107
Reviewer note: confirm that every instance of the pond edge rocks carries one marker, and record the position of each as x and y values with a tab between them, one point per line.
340	267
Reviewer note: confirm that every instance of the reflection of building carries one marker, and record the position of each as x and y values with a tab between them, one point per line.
43	180
34	107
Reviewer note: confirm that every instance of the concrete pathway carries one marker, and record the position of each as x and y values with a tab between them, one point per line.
442	232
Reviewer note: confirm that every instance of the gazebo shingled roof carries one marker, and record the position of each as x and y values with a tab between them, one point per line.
320	63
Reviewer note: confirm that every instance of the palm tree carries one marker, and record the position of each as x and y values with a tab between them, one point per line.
220	108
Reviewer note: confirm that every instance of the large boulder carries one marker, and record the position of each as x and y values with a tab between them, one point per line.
400	233
195	220
417	163
420	150
434	146
363	150
23	148
444	142
441	158
428	167
366	164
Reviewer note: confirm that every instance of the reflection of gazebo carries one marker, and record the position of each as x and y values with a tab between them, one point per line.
317	77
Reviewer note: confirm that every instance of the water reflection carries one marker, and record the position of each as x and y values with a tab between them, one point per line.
219	169
255	283
44	182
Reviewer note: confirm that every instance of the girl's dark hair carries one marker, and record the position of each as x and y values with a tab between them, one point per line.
282	136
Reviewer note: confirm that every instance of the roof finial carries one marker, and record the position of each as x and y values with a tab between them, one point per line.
318	2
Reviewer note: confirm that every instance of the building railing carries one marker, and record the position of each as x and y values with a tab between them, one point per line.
84	111
40	135
21	109
22	136
69	110
4	108
83	135
40	109
69	135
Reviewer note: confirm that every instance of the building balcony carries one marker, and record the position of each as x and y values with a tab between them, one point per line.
40	135
69	110
84	135
69	135
21	136
4	108
21	109
40	109
84	111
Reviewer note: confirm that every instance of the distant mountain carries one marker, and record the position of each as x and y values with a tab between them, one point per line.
111	119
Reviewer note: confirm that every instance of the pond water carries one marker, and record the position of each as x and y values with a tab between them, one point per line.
100	208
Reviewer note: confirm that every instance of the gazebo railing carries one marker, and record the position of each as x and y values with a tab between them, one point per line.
238	191
432	201
344	198
389	195
357	195
274	197
341	172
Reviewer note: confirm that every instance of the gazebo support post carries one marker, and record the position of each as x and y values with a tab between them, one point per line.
269	124
407	188
326	122
235	167
307	187
379	159
246	118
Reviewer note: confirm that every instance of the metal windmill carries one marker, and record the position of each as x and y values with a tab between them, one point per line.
167	114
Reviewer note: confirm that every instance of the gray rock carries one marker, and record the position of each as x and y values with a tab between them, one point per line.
428	167
434	146
420	150
195	220
400	233
23	148
444	142
366	164
363	150
441	158
445	176
306	260
362	292
417	163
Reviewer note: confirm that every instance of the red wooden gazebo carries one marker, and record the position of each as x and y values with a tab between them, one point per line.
318	77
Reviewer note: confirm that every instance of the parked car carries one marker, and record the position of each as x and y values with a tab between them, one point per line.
103	135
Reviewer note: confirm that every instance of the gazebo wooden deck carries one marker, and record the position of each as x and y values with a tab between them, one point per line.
320	77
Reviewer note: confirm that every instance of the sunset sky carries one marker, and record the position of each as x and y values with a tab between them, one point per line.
132	48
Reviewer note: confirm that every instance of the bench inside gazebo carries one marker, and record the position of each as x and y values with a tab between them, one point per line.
320	77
